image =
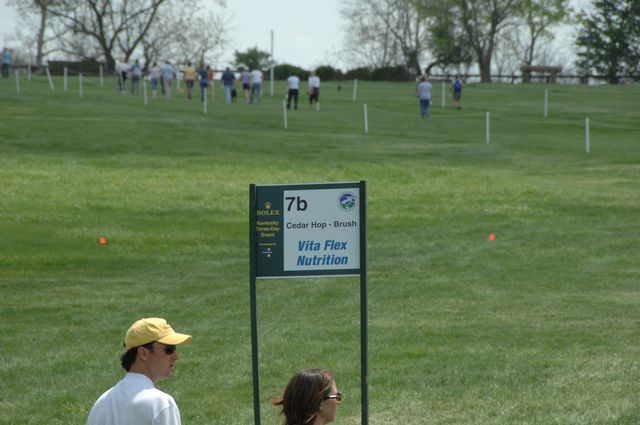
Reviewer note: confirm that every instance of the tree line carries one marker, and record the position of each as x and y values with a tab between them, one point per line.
410	36
454	35
118	29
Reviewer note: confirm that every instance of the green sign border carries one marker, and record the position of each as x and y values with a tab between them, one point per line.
272	266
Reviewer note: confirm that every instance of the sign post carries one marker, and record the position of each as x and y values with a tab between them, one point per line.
308	230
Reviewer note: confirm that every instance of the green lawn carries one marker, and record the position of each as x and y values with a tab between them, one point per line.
540	326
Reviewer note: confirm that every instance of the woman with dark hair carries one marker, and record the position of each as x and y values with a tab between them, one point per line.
310	398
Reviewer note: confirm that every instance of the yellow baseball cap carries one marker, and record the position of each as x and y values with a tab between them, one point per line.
152	329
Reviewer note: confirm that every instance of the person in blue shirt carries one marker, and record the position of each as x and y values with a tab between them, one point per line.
456	90
203	74
136	76
228	80
424	93
6	62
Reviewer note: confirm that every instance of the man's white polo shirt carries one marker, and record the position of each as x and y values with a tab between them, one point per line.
134	401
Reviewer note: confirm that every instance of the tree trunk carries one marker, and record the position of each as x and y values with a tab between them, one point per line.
484	62
412	61
109	60
40	40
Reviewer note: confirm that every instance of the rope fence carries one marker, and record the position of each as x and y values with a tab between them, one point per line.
73	80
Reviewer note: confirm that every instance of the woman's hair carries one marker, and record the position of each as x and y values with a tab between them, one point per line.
129	356
303	395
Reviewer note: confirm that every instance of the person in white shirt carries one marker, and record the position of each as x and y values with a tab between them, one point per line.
256	85
314	88
121	72
154	76
293	84
150	357
423	93
168	75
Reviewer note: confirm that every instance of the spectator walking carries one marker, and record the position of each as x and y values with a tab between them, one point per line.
456	90
168	74
6	62
246	84
293	84
136	75
228	81
121	70
203	73
314	88
154	76
189	78
256	85
423	93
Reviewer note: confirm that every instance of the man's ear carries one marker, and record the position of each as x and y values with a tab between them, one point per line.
143	353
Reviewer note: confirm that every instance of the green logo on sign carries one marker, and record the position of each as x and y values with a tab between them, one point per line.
347	201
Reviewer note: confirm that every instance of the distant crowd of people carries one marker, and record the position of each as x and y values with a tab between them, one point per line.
251	84
163	77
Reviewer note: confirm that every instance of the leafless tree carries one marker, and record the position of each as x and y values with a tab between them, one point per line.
114	26
384	33
184	36
538	17
36	30
483	21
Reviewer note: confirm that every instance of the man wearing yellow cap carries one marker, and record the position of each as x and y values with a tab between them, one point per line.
150	354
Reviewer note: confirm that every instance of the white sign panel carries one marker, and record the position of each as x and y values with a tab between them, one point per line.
321	229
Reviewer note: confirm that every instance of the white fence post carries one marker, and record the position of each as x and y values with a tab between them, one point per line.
144	91
50	80
366	120
355	88
204	100
586	135
488	125
284	113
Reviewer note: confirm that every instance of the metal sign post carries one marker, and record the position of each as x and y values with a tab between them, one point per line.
308	230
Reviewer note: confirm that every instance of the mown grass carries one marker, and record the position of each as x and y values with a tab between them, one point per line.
538	327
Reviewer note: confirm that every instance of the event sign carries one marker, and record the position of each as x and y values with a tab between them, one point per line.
308	230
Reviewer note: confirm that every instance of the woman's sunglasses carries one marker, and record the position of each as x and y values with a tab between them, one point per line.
336	396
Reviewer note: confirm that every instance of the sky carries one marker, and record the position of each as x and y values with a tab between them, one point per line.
307	33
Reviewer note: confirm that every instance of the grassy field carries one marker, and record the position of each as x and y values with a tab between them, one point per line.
540	326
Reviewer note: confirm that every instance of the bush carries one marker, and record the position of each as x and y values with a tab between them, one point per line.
391	73
283	71
385	73
85	66
327	72
362	73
